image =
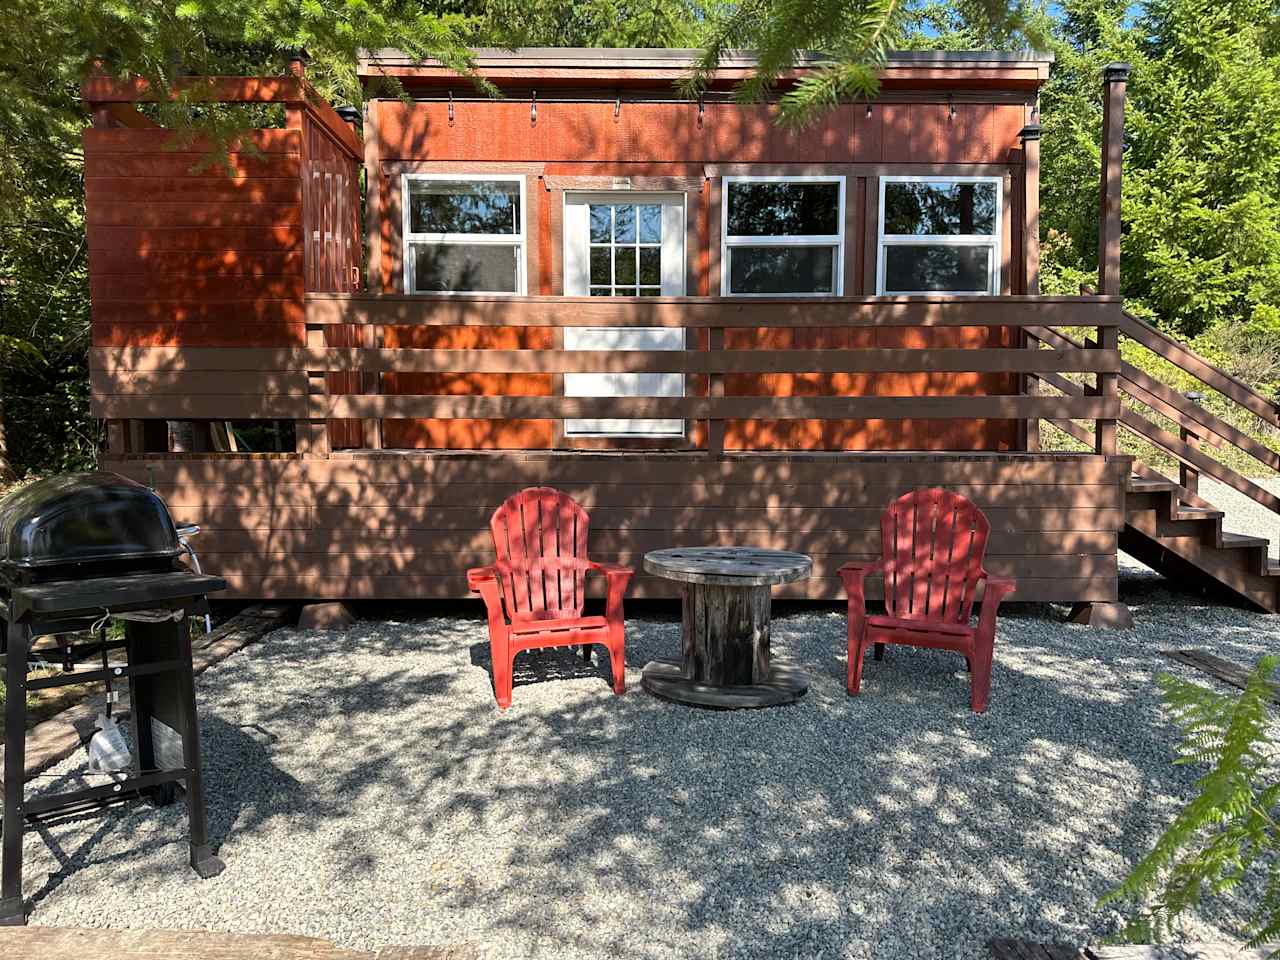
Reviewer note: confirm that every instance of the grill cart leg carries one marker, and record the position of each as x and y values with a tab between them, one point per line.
12	908
170	699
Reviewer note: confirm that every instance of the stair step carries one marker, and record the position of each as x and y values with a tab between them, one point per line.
1198	513
1143	485
1238	541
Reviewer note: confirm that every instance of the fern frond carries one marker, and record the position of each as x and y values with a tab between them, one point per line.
1228	827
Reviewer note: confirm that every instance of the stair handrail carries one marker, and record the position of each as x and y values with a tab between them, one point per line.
1168	402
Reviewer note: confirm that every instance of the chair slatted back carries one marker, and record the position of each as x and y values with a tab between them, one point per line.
933	543
532	531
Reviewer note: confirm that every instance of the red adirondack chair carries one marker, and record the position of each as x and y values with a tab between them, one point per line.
932	543
534	594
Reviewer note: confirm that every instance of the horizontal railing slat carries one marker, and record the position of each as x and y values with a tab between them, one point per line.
1180	356
166	365
319	406
734	312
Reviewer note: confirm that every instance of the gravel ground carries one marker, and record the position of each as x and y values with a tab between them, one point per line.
363	787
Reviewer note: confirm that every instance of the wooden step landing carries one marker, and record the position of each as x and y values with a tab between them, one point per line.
74	943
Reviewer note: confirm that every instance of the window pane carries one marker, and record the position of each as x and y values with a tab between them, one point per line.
481	267
624	265
784	209
651	223
650	291
624	224
782	269
602	291
464	206
651	265
600	265
601	223
940	209
917	268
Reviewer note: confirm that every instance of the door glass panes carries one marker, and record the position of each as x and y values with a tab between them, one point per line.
626	249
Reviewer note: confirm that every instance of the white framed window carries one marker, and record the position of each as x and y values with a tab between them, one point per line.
782	236
939	235
464	233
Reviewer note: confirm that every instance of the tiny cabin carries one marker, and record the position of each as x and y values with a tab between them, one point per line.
342	348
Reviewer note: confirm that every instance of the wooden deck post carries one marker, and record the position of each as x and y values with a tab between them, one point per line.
1114	77
372	199
1030	135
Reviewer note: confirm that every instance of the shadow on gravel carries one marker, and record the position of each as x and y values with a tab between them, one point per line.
578	823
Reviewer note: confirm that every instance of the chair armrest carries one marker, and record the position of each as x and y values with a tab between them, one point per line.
609	569
477	575
618	577
994	591
996	588
853	574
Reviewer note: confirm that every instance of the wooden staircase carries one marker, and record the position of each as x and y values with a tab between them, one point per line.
1168	525
1187	543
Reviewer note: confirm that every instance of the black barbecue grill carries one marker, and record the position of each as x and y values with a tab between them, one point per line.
76	552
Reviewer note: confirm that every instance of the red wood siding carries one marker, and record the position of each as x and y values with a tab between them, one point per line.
186	252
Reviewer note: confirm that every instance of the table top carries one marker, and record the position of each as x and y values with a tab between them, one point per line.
728	566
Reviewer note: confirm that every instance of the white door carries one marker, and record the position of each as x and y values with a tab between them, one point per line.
624	244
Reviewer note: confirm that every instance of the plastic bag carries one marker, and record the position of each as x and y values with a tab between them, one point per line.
108	749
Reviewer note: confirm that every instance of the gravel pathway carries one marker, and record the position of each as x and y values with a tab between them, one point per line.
365	788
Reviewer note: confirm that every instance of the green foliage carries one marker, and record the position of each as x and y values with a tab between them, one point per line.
1228	832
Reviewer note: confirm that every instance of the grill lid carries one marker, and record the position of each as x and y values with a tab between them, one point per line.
84	517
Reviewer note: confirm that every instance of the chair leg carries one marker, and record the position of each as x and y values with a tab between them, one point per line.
857	648
879	651
586	652
968	665
618	665
503	665
980	674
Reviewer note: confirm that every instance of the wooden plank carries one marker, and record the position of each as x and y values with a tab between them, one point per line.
171	189
222	263
193	165
191	214
401	563
379	491
353	406
206	240
237	538
1216	667
870	360
656	467
693	407
1188	413
1198	367
157	383
107	288
467	310
165	141
1055	590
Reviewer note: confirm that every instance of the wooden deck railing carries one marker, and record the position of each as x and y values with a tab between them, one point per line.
1195	422
228	383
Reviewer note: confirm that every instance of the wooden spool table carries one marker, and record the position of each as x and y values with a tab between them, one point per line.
724	635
